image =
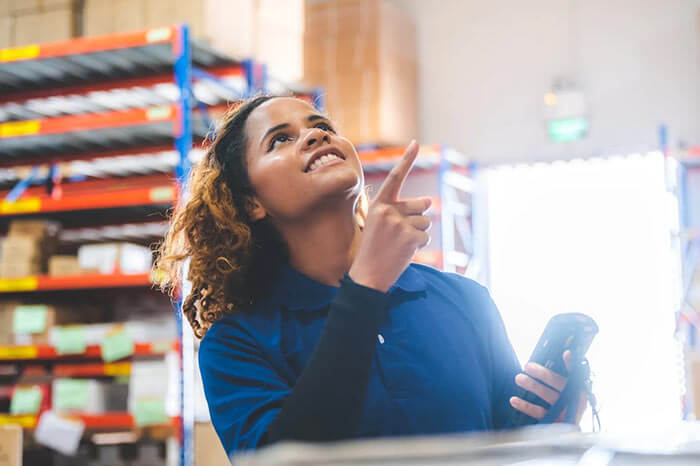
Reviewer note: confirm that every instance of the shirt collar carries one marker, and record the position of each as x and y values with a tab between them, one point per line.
296	291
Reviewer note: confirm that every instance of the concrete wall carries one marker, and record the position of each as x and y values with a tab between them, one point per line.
485	66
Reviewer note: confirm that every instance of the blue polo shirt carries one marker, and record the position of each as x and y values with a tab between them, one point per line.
442	362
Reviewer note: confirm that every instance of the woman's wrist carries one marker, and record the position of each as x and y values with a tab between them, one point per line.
367	280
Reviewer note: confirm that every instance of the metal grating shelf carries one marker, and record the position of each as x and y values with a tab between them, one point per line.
122	95
99	132
89	60
382	160
118	166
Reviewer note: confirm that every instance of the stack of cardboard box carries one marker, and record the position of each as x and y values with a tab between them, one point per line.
269	30
109	258
26	248
24	22
11	445
64	265
32	324
363	52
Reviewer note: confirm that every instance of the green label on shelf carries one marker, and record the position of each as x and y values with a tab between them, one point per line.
70	394
150	411
117	345
26	400
70	339
29	319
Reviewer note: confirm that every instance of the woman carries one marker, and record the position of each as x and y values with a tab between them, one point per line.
315	324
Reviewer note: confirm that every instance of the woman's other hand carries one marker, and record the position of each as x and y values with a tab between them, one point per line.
395	229
529	381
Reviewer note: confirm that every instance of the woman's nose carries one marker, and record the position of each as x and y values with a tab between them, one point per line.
315	137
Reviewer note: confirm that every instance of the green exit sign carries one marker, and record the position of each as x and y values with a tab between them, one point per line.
567	129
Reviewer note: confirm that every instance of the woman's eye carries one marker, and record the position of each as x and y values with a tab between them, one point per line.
279	138
325	127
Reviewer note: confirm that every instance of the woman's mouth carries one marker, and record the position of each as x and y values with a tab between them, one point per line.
324	160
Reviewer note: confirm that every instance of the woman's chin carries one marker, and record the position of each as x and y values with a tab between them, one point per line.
343	188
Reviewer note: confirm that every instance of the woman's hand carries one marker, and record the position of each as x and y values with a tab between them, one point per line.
528	381
394	230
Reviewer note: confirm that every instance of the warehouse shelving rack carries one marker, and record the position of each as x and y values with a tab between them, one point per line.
687	318
452	207
103	97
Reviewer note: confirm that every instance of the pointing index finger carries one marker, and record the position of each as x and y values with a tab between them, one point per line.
391	187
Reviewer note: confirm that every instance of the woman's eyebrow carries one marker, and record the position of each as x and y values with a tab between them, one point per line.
315	117
272	130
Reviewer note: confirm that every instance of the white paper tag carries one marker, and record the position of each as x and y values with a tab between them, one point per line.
58	433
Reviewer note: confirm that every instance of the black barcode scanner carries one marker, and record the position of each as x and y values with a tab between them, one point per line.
563	332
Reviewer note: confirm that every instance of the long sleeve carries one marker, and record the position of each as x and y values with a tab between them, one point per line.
504	365
252	405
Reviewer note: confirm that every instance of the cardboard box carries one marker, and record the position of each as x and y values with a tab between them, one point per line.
19	269
50	316
7	311
128	15
60	266
44	26
23	6
159	13
237	41
17	249
27	29
10	445
194	13
88	396
208	450
7	26
109	258
4	8
98	18
19	7
39	229
363	53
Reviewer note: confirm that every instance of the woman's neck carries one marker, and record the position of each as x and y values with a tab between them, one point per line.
323	247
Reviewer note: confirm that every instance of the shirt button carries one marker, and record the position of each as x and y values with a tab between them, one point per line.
380	338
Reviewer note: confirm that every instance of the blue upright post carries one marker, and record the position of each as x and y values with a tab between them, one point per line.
255	77
183	145
318	94
446	218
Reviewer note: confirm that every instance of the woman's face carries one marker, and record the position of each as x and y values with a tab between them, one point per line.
296	160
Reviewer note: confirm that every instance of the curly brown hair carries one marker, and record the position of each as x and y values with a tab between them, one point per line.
231	258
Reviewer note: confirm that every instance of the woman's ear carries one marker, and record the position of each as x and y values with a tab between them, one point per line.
255	210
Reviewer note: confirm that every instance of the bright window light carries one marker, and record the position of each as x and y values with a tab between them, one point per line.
594	236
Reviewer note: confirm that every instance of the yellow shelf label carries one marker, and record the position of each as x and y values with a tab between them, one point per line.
158	113
158	35
118	368
21	206
26	421
19	53
18	352
19	128
164	193
18	284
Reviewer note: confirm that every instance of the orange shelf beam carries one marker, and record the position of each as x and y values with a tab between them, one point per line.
88	45
92	369
87	122
107	421
112	195
92	281
390	154
48	352
74	282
